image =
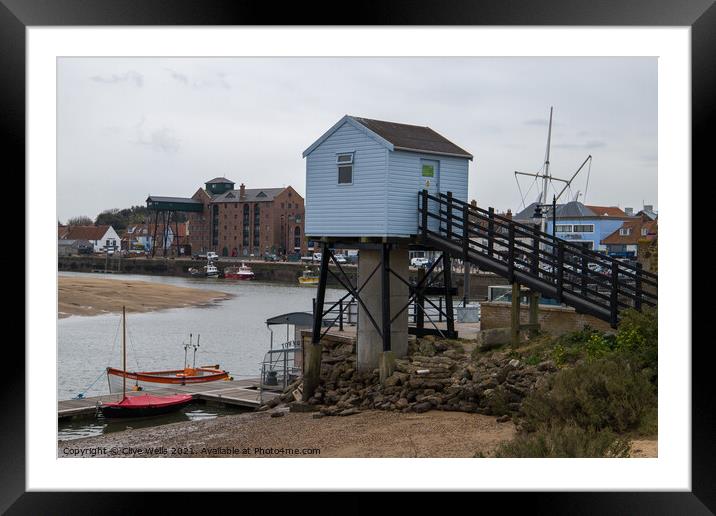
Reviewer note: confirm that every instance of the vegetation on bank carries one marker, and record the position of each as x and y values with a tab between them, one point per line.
119	219
604	394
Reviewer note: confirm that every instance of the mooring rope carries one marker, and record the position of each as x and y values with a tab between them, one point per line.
81	395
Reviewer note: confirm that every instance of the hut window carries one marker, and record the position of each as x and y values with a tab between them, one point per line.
345	168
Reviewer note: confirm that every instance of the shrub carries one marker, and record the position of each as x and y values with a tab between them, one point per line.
497	403
603	394
637	339
565	441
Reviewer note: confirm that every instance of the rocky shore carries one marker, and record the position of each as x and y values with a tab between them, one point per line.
436	375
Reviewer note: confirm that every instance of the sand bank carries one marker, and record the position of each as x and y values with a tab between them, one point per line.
92	296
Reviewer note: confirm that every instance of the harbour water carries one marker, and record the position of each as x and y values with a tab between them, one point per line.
69	429
233	333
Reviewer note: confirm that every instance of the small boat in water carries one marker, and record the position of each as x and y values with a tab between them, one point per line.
308	277
207	271
242	273
144	405
154	379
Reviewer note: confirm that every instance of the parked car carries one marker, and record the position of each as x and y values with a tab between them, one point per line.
340	258
271	257
212	256
419	262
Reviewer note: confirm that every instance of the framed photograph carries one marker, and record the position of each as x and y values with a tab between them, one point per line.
423	245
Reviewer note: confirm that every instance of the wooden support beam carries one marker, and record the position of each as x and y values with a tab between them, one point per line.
447	280
533	325
312	352
515	315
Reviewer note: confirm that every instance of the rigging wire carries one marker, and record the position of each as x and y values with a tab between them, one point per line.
134	352
520	190
81	394
586	189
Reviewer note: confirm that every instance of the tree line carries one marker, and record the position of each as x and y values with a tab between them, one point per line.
119	218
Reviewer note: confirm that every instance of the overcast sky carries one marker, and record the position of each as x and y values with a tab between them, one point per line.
131	127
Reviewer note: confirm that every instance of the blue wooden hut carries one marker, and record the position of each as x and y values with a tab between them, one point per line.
363	177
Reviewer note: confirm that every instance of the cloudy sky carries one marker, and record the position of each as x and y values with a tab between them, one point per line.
129	127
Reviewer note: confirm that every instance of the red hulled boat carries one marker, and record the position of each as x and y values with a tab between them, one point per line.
145	405
241	273
141	405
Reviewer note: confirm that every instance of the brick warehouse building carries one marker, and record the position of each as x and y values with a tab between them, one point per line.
246	221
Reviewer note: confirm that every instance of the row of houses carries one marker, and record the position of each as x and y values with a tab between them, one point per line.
220	218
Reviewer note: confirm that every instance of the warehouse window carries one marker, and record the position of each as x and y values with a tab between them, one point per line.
345	168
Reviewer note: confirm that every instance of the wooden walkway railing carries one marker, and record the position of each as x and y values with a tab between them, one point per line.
589	281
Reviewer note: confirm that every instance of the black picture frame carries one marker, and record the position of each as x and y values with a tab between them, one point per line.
700	15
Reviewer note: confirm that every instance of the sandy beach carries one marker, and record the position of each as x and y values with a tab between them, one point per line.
93	296
372	433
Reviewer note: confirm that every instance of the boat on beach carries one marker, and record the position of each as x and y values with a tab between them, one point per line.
241	273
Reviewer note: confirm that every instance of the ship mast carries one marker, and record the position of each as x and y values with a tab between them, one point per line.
546	178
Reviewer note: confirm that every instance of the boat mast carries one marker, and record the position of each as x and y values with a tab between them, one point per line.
545	176
124	352
195	348
186	348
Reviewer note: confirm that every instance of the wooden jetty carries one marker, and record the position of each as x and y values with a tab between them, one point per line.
241	393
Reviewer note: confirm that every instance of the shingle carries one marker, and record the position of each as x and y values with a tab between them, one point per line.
413	137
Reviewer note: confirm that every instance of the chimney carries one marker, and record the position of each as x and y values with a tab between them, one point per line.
242	191
629	212
648	207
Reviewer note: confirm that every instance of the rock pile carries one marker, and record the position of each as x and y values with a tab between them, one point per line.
436	374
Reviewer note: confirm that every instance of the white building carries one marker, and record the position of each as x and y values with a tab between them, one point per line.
102	238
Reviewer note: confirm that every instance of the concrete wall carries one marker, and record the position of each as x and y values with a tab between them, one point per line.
369	343
556	320
284	272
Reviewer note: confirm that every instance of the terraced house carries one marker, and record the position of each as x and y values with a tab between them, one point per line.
246	221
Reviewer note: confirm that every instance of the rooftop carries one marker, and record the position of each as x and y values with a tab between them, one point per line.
636	226
574	210
412	137
250	195
83	232
220	180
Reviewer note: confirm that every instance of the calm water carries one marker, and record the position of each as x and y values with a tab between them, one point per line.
233	333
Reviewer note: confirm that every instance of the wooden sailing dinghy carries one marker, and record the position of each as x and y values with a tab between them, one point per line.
144	405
